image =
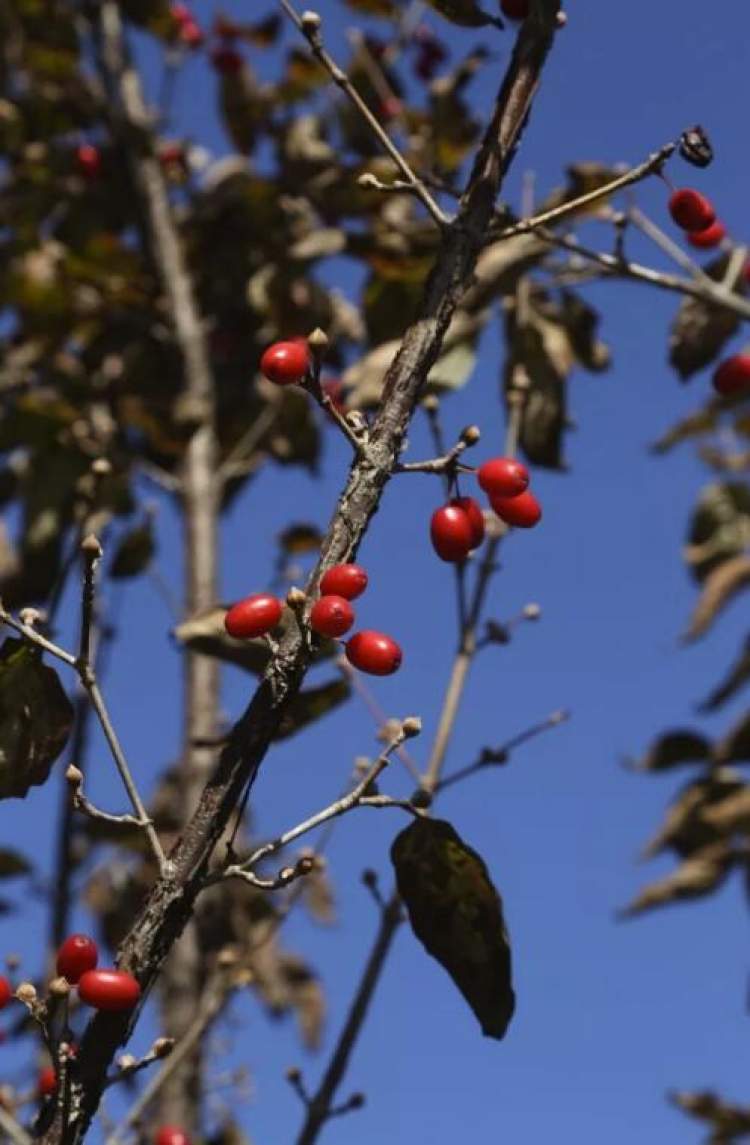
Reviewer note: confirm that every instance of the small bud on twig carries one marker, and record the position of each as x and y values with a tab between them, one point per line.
26	993
101	467
59	987
411	726
162	1047
310	22
74	775
29	616
126	1061
91	548
532	611
318	340
431	403
296	598
471	435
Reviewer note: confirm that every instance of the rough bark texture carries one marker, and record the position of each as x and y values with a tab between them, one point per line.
171	902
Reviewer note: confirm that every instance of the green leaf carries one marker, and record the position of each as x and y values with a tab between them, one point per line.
457	913
35	719
310	705
134	552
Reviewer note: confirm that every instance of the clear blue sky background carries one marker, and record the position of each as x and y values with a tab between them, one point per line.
610	1015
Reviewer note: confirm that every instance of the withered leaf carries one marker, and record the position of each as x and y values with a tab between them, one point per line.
674	749
457	913
300	538
719	528
735	746
719	587
728	1122
134	551
12	864
698	875
35	719
688	826
310	704
736	677
700	330
465	13
732	813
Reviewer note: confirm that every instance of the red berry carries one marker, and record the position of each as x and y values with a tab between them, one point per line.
523	511
226	60
515	9
77	954
191	34
691	210
473	511
732	376
331	616
451	533
172	154
6	991
254	616
503	477
746	272
110	990
286	362
390	107
47	1083
181	14
711	237
349	581
89	160
171	1135
373	652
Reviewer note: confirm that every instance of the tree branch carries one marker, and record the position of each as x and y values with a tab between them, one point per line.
171	901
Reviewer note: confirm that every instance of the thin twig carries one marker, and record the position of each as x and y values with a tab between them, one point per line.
492	757
310	29
650	166
213	1002
13	1129
339	807
664	241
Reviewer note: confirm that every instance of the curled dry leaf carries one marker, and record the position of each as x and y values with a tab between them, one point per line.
735	746
731	814
719	528
736	677
674	749
688	826
702	873
700	331
729	1123
457	913
36	717
719	587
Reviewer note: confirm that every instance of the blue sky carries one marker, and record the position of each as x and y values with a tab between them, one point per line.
610	1015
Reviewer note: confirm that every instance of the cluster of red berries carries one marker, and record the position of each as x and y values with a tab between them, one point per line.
331	616
456	529
109	989
88	161
696	215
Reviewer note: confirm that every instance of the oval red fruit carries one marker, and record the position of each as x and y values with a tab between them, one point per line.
77	954
473	511
47	1082
691	210
708	238
286	362
503	477
349	581
171	1135
523	511
331	616
451	533
6	991
732	376
373	652
254	616
110	990
515	9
